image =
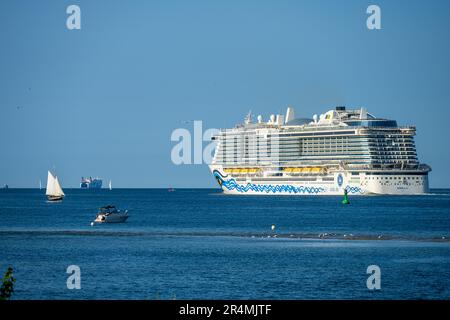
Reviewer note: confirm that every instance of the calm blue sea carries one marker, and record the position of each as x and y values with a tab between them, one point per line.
201	244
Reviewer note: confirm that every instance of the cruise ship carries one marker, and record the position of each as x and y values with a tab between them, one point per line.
91	183
340	150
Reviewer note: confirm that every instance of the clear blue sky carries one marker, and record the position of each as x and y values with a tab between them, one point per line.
104	100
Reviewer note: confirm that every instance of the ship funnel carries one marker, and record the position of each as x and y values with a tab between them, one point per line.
290	115
363	114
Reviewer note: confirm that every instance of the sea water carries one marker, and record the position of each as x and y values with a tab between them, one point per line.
202	244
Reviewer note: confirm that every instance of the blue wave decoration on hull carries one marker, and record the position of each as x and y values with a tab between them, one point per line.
231	184
354	189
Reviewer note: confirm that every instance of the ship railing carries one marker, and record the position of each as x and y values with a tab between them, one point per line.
318	128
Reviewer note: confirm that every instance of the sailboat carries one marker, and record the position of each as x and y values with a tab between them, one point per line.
40	185
54	191
110	185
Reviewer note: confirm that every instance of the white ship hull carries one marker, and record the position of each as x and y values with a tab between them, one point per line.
361	183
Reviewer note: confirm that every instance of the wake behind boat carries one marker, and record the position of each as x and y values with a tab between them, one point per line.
110	214
54	191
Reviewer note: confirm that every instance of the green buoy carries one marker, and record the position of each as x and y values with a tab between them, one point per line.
345	201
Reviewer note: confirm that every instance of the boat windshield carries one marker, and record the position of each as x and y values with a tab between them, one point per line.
108	209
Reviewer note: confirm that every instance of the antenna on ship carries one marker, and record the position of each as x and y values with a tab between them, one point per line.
248	117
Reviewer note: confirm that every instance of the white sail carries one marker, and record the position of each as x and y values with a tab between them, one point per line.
58	189
110	186
50	184
53	187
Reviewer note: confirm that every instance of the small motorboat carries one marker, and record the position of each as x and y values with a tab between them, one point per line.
110	214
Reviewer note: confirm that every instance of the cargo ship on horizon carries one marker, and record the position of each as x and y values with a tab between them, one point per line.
91	183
